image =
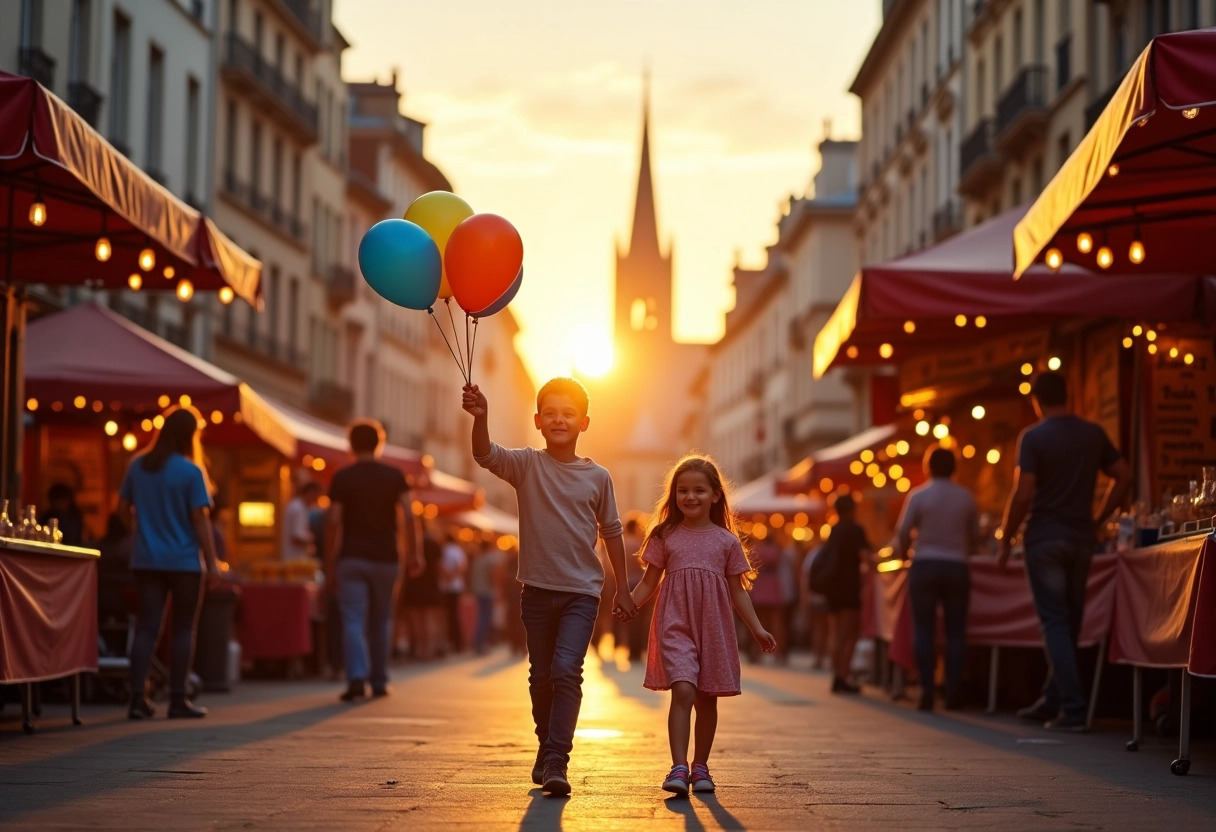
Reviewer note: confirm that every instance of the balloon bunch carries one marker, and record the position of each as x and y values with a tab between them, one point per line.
442	250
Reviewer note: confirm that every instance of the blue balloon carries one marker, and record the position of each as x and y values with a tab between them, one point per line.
401	263
504	299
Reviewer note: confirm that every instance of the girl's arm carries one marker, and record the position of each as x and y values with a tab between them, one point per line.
646	587
743	605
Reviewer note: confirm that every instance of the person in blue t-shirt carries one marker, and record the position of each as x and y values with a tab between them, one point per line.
167	490
1059	458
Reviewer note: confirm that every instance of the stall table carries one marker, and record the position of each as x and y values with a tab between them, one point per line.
1000	613
1165	605
276	620
48	617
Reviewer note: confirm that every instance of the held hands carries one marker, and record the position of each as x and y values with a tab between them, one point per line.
624	608
766	640
474	401
1004	548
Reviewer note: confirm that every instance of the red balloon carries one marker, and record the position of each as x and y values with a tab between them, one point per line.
482	258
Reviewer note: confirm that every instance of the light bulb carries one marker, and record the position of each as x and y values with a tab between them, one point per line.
1085	242
1055	259
941	431
978	412
169	272
960	320
1136	252
135	281
147	259
1105	257
886	351
1191	113
102	250
1054	363
111	428
185	290
994	456
226	295
38	212
922	428
981	321
129	442
1113	170
909	327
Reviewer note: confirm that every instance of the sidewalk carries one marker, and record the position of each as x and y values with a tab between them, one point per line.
452	749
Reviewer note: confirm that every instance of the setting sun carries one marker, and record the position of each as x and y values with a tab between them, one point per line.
593	356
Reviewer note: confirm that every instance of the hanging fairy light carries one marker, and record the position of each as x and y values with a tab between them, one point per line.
1054	363
111	428
980	321
129	441
851	352
909	327
1085	242
960	320
922	428
147	258
226	295
1105	256
38	210
185	290
169	272
1152	349
1054	259
102	250
135	281
1190	113
978	412
941	431
886	350
1135	251
1113	170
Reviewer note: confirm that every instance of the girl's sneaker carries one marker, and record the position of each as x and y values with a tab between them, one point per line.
677	781
701	781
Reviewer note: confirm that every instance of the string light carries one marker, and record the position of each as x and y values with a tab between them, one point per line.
981	321
1055	259
31	405
1113	170
1127	342
38	211
81	402
169	272
941	431
1150	335
960	320
1027	369
978	412
163	401
1191	113
886	350
1135	251
111	428
903	485
922	428
184	400
909	327
1054	363
226	296
896	471
216	417
994	456
1188	359
185	290
135	281
1105	257
147	259
856	467
1085	242
867	455
1137	330
1024	388
102	250
129	441
1152	349
1173	352
902	446
968	451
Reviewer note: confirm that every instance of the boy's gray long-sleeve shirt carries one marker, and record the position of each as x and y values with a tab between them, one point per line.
563	508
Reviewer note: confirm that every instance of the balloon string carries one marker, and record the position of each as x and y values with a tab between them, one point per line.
431	311
472	343
452	318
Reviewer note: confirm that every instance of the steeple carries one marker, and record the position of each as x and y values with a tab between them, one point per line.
644	239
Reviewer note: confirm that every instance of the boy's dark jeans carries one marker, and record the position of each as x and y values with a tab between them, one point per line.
559	627
1059	571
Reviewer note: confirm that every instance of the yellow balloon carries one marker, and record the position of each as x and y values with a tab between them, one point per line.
439	212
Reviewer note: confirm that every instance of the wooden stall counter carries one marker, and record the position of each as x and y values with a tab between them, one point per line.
48	617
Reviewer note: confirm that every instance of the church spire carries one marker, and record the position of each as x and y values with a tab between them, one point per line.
644	238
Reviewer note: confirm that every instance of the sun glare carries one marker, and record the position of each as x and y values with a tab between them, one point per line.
593	356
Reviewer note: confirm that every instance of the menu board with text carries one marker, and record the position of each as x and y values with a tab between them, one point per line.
1182	416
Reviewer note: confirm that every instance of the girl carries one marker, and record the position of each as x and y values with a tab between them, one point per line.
168	489
693	650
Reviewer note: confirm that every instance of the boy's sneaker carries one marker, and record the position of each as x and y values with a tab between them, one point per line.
677	781
701	781
538	768
555	781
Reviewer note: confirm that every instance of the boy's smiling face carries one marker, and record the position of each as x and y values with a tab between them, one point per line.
560	420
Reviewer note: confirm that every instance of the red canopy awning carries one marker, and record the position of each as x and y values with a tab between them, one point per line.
90	190
912	305
1144	171
91	352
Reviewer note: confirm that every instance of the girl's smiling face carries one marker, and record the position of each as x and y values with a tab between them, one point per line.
694	496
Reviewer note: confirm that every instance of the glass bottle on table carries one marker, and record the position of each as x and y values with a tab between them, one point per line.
6	525
1204	499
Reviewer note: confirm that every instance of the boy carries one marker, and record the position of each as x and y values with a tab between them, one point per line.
565	503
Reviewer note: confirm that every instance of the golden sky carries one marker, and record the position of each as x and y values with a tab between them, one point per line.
534	112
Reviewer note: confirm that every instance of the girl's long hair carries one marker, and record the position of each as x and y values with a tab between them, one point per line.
178	435
667	514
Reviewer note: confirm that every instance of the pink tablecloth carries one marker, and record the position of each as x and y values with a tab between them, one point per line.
1165	607
1001	611
276	620
48	616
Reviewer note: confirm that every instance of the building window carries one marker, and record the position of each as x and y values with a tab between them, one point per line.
234	13
255	161
293	313
273	297
1019	56
1039	33
193	127
280	52
998	67
78	61
155	116
276	175
230	127
1064	149
642	315
31	24
295	185
120	79
258	32
1065	17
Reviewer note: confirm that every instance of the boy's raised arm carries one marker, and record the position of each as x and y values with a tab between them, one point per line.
474	402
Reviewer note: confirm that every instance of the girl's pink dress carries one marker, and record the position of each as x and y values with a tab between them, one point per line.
692	634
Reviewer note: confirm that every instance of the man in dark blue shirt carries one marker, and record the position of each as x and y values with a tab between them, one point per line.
1059	458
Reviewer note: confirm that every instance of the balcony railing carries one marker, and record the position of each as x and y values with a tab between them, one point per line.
281	96
32	62
339	286
331	400
85	100
272	348
947	221
1063	62
978	157
262	206
307	15
1022	111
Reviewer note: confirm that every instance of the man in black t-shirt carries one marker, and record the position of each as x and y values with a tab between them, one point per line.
371	532
1059	458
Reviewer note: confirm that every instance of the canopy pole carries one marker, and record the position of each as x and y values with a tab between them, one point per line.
14	334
